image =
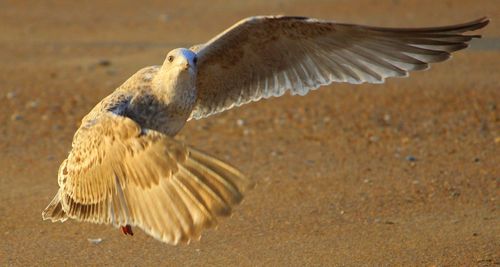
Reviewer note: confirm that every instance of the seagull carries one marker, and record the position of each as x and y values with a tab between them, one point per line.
126	169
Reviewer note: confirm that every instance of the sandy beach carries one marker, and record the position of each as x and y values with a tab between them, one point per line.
402	174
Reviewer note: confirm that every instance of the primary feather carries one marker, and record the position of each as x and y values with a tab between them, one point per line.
266	56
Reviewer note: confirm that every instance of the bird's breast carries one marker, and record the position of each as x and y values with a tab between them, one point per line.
155	113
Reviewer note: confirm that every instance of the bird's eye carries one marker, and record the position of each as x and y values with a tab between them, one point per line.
170	58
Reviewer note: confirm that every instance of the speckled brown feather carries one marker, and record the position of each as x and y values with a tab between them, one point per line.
117	174
261	57
126	169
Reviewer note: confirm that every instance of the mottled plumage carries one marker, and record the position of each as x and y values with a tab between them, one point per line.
261	57
126	169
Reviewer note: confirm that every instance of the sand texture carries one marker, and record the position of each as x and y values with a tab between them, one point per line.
405	173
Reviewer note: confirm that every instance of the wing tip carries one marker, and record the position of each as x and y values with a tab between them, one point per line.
478	24
54	211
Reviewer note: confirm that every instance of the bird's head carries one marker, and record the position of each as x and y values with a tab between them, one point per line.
181	59
177	77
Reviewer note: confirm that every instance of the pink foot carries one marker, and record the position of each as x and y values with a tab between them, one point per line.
127	230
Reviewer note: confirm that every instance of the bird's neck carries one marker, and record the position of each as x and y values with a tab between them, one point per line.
176	88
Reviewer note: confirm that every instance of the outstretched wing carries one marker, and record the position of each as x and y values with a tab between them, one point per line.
261	57
118	173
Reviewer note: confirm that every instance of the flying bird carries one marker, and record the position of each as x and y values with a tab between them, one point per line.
126	169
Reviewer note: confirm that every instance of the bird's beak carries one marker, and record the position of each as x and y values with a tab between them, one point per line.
185	65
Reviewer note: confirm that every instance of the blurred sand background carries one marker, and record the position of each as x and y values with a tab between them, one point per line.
405	173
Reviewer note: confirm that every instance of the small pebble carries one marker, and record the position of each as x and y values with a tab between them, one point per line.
240	122
387	118
310	162
104	62
411	158
374	138
33	104
16	117
164	17
10	95
95	240
111	72
492	106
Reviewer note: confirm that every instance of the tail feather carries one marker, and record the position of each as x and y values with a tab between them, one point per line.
54	211
202	189
228	172
186	192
